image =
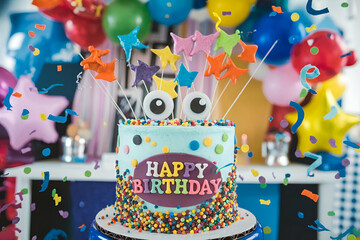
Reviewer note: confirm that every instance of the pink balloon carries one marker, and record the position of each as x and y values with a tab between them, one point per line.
282	85
20	129
7	79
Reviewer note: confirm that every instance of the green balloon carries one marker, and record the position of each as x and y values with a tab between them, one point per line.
122	16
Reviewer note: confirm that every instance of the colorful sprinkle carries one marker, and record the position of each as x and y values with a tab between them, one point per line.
219	149
134	162
165	149
208	141
194	145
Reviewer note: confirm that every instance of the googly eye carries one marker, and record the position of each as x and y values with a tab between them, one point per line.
196	105
158	105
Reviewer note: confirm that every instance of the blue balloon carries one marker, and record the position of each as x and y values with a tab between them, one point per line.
51	42
170	12
279	27
331	162
199	4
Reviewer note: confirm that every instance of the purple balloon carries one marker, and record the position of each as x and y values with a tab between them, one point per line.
7	79
282	85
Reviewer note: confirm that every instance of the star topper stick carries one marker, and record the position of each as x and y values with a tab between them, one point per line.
251	77
138	96
104	90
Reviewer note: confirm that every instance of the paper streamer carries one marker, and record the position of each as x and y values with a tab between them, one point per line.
319	228
312	11
332	113
218	22
314	165
342	235
304	75
45	183
300	113
62	119
351	144
46	90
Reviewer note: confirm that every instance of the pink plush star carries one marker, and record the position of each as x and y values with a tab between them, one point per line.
28	118
203	43
184	45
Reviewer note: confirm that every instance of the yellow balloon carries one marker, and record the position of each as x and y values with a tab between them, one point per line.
231	12
323	129
336	85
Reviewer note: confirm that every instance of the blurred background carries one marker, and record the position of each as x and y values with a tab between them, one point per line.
50	58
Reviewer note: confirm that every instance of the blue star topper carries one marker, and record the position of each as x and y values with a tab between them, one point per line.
143	72
184	77
130	41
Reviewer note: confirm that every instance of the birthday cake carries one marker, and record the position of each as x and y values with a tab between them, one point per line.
176	176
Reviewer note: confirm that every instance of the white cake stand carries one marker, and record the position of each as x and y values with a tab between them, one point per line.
241	228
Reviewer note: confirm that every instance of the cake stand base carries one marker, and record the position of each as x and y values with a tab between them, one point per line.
247	228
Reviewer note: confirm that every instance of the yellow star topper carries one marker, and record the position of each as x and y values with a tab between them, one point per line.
166	57
315	125
166	86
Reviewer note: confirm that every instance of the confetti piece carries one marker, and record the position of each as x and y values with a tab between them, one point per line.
263	185
218	22
287	175
31	34
59	68
5	206
254	172
265	202
62	119
344	4
262	180
346	55
250	154
315	164
298	153
351	144
227	165
98	10
43	116
87	173
267	230
242	179
284	123
33	207
46	90
309	194
245	148
332	113
25	191
96	165
295	17
314	50
34	237
6	101
345	162
46	152
351	237
319	228
331	213
82	228
36	52
20	195
15	220
286	181
312	11
313	139
332	143
53	192
27	170
303	93
25	150
64	179
272	14
64	214
311	28
300	112
304	74
300	215
105	124
273	174
31	48
45	183
40	26
271	118
18	95
276	9
226	13
57	199
342	235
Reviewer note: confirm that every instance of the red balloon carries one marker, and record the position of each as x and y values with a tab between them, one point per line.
331	47
84	32
88	8
59	13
